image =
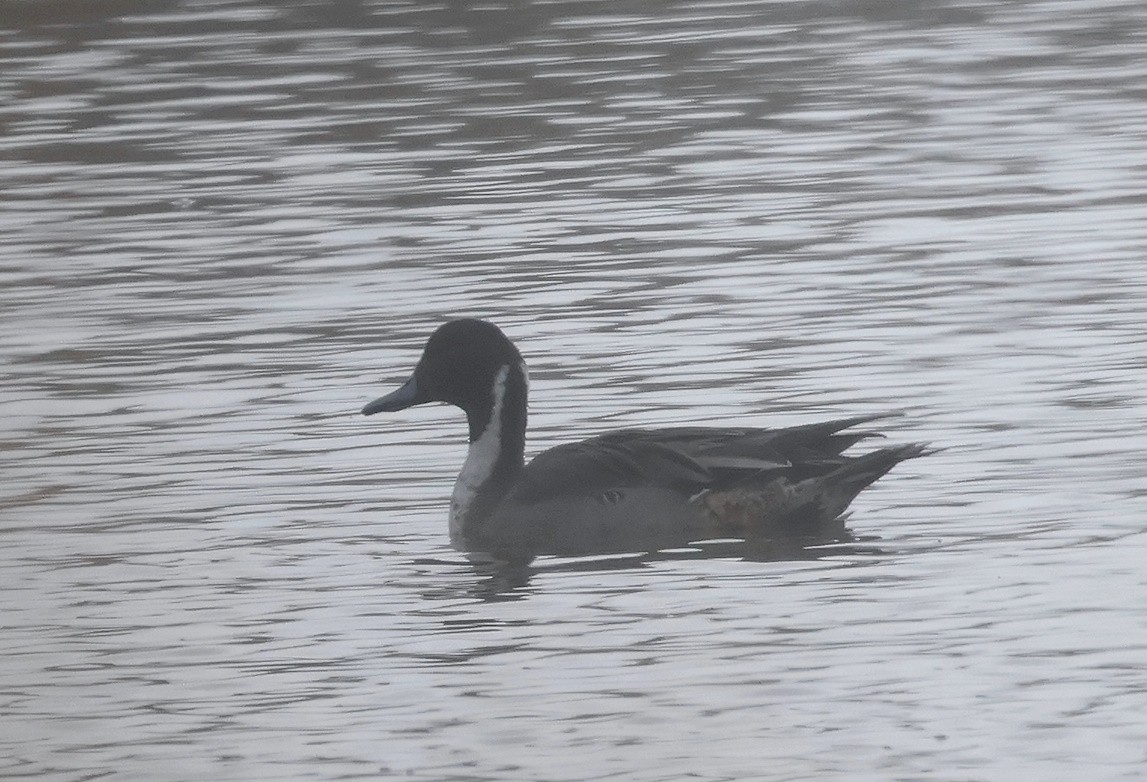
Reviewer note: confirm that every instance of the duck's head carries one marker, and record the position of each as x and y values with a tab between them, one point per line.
459	365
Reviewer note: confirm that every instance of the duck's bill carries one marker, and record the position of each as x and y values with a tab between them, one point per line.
405	397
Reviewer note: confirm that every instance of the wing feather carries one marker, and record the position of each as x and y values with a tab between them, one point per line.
687	458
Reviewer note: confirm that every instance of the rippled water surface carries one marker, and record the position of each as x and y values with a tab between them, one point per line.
226	225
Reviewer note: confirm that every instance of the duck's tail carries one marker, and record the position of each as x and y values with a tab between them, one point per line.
839	488
788	507
866	469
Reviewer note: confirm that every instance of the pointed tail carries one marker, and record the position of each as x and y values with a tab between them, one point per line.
867	469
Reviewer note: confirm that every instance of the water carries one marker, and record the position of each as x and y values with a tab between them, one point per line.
228	225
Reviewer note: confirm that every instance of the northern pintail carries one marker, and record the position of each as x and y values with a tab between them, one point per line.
629	490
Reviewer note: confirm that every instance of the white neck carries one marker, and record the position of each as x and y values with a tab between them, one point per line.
481	460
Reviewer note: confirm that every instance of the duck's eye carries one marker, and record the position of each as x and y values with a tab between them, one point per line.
611	496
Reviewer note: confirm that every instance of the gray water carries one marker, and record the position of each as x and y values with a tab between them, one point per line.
226	226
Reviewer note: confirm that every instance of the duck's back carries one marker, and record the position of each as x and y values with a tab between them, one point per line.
644	489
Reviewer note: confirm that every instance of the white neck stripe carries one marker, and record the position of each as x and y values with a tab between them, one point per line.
481	458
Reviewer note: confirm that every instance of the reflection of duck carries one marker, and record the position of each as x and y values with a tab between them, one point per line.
627	490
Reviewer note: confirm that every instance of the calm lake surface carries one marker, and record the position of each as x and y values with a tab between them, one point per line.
224	226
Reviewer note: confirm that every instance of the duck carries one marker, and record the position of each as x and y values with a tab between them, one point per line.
628	490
